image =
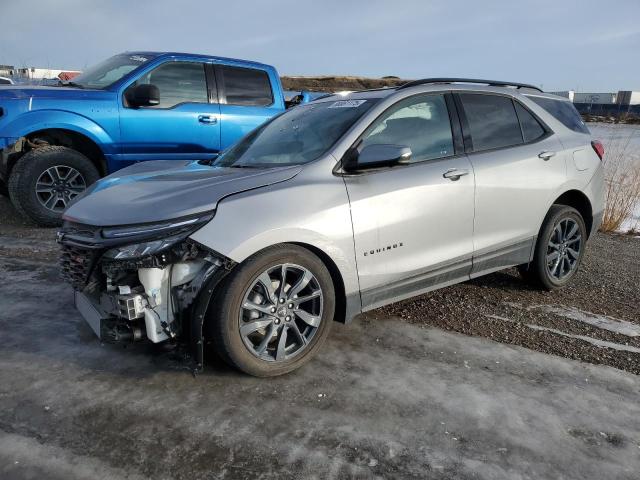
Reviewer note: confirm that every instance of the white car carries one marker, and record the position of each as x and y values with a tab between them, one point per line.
333	208
6	81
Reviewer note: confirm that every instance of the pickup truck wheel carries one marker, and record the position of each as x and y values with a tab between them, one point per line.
559	249
44	182
273	312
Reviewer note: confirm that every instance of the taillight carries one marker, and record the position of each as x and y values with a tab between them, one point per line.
598	147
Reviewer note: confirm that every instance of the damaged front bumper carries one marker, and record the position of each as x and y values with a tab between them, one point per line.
130	286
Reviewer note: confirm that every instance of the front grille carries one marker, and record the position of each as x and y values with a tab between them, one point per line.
76	265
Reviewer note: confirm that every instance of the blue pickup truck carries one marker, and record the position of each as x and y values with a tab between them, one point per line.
57	140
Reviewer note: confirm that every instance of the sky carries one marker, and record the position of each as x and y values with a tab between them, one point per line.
584	45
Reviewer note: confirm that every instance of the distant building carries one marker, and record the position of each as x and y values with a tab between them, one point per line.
599	98
626	97
33	73
7	70
566	94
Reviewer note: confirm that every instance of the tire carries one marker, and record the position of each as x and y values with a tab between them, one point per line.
33	167
226	315
548	270
4	192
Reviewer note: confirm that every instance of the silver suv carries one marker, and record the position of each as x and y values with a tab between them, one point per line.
333	208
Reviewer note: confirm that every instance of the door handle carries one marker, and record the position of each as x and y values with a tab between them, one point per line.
546	155
209	119
454	174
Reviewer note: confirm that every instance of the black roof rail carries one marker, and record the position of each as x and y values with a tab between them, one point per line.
491	83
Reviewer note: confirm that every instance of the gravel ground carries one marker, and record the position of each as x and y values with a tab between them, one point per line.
501	306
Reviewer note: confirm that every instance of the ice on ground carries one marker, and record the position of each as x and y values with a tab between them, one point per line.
599	321
592	341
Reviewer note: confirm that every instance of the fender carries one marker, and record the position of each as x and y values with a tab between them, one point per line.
300	210
38	120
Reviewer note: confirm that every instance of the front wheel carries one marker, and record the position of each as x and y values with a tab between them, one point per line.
273	313
559	249
45	180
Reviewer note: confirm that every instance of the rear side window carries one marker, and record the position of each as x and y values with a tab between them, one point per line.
246	86
492	120
178	82
564	112
4	81
531	128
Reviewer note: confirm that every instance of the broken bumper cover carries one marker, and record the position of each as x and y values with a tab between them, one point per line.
91	312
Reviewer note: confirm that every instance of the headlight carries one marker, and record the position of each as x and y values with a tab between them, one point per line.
144	240
138	250
150	229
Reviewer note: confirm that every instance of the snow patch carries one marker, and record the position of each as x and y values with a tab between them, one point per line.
592	341
599	321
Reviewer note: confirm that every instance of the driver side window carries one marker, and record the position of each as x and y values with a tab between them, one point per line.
420	123
178	82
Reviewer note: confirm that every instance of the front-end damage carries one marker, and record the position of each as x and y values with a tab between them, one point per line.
148	282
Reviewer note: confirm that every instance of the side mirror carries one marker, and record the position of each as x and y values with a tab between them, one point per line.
377	156
144	95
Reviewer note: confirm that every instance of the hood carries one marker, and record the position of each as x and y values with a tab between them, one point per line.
166	189
20	92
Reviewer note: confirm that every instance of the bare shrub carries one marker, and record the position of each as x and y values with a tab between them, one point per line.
622	180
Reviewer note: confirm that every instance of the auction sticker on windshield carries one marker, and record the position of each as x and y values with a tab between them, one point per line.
346	104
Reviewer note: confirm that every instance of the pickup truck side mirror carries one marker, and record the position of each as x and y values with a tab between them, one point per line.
378	156
144	95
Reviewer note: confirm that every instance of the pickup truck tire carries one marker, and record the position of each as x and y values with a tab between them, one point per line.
238	331
559	249
67	173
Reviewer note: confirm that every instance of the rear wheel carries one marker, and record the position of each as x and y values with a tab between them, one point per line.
559	249
274	312
44	182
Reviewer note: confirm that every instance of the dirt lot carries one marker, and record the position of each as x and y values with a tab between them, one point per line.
390	396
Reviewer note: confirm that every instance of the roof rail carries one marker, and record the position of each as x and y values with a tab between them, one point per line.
491	83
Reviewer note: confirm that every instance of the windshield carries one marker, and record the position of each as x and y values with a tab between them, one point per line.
110	71
298	136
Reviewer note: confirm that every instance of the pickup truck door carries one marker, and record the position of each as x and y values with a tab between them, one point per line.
248	97
413	224
186	123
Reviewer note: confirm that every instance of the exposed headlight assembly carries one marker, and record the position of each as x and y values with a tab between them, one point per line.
143	240
139	250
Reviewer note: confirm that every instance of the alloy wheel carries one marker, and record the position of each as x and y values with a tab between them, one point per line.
563	249
281	312
58	185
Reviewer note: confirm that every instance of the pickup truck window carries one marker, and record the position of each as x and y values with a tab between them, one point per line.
300	135
110	71
178	82
247	86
